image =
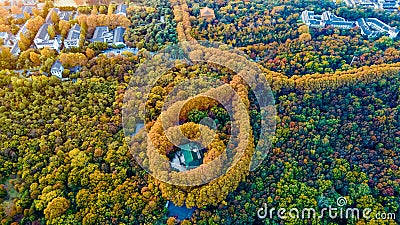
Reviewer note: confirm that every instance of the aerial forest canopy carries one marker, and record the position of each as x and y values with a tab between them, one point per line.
65	143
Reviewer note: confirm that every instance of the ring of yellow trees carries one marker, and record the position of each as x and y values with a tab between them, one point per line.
227	178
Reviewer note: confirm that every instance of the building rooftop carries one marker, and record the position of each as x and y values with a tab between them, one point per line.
121	9
43	33
18	16
369	26
15	50
29	2
373	26
389	4
314	22
119	35
344	23
56	65
310	13
28	9
190	155
328	16
364	26
65	15
325	19
3	35
379	23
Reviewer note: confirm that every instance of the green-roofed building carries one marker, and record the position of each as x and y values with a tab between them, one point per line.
189	157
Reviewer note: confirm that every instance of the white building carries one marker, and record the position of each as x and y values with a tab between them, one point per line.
118	38
382	27
57	69
102	34
72	39
310	19
63	15
330	19
43	39
4	36
30	2
372	27
365	28
15	50
388	5
326	19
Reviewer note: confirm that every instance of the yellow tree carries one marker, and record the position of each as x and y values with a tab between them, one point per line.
55	18
305	37
303	29
89	53
56	208
64	27
34	24
24	42
35	58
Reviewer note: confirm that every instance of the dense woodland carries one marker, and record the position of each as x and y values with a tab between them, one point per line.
64	159
275	36
64	142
